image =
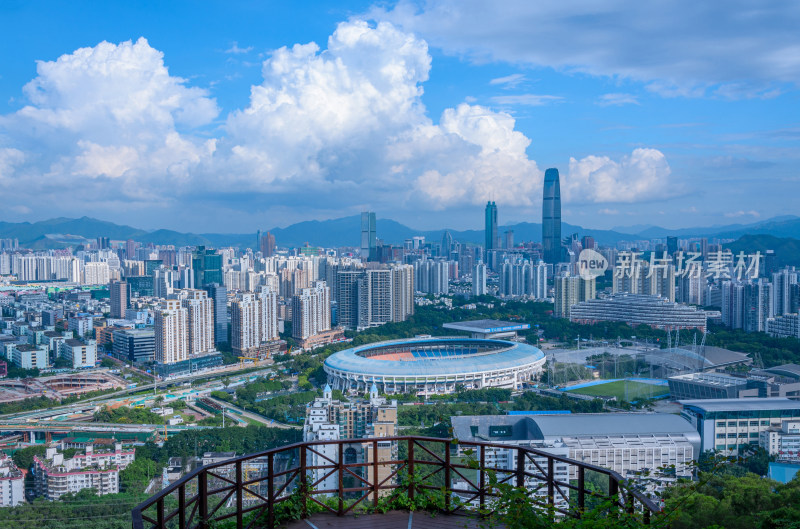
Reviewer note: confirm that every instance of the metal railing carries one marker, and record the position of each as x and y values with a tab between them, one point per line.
354	475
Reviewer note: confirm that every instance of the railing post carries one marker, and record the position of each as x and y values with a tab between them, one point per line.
182	506
341	478
160	513
581	490
239	487
303	481
447	476
520	467
411	469
613	489
375	482
551	478
482	476
202	498
270	491
630	501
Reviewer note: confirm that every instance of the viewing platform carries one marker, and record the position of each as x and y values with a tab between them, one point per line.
376	482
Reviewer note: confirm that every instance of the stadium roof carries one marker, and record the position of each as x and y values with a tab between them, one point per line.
508	355
553	427
486	326
751	404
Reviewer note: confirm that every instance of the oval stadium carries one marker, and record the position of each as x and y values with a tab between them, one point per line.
428	366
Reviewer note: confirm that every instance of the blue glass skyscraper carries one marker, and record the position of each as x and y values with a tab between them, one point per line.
551	217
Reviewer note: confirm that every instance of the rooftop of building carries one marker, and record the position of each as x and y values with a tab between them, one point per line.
752	404
487	326
550	427
137	332
712	379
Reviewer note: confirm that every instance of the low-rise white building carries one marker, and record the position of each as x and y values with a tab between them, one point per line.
628	443
55	476
28	356
12	483
782	442
81	354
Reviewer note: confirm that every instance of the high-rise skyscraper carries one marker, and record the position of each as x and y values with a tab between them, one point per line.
490	229
118	291
171	331
200	311
551	217
369	240
267	244
207	267
219	294
479	279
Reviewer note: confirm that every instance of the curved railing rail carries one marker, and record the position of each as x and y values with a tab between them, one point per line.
352	475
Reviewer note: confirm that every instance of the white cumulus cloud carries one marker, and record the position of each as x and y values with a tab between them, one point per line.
330	129
111	111
642	175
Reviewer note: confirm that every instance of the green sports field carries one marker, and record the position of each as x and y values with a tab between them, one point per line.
629	390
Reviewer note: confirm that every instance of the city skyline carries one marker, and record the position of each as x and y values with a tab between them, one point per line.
383	109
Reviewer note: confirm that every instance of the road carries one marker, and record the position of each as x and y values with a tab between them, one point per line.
254	416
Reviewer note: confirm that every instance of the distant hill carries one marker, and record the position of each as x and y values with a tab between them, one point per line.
62	232
787	250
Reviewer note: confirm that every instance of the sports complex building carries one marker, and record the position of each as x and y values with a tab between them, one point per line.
428	366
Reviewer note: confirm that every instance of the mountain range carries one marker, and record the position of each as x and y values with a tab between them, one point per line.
345	231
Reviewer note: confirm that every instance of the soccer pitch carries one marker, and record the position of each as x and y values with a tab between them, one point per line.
629	390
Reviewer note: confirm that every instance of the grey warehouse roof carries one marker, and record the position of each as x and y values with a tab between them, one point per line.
752	404
554	427
486	326
509	355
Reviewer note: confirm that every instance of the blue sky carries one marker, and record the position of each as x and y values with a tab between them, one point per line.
205	116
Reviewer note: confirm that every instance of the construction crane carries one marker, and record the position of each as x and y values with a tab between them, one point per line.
243	358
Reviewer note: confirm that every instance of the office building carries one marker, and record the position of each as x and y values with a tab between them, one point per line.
479	280
134	345
490	230
551	217
119	301
448	244
369	239
207	267
27	356
219	294
79	353
266	244
639	309
727	425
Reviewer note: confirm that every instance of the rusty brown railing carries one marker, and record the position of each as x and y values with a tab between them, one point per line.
353	475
